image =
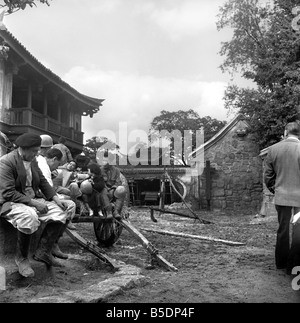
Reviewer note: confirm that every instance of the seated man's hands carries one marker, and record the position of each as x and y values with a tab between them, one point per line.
40	206
63	190
62	204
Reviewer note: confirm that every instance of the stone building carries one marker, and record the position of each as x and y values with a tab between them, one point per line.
268	207
231	176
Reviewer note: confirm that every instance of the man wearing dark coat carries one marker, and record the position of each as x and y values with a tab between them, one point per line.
27	199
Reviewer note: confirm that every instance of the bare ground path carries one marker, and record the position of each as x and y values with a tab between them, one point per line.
208	272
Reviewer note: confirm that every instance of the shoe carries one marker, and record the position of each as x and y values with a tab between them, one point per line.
71	226
47	258
117	216
100	214
24	267
56	252
88	210
109	216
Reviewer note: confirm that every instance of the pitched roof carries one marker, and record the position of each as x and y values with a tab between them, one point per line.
20	49
218	136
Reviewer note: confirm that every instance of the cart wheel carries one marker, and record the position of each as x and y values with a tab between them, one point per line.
107	232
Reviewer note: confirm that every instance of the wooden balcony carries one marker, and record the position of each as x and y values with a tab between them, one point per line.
30	118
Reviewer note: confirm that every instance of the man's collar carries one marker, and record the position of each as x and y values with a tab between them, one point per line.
20	154
292	138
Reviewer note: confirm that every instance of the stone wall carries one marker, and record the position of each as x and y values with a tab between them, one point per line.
236	173
268	206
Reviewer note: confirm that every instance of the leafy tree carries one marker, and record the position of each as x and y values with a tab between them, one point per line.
92	146
184	122
265	48
15	5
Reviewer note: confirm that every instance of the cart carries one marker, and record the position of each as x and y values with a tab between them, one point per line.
107	232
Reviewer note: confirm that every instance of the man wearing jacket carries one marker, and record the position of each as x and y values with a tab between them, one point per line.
282	177
23	205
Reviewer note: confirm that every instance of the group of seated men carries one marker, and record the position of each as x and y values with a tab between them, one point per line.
28	197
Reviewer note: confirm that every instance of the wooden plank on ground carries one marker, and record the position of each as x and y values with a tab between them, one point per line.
191	236
148	246
91	247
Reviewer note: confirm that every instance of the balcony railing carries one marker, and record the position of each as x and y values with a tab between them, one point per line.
29	117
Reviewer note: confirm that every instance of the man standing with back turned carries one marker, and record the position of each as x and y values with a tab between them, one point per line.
282	177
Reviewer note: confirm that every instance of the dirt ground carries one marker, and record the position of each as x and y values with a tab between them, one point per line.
208	271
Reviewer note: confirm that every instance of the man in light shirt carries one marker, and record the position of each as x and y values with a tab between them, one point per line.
47	165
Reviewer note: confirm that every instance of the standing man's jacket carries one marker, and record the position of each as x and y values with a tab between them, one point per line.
13	181
282	172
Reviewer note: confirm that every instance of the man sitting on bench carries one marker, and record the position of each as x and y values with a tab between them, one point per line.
23	205
113	185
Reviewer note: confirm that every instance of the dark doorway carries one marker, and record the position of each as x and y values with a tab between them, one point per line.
146	192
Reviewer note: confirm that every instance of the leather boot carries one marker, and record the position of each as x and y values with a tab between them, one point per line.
49	236
56	252
21	258
118	208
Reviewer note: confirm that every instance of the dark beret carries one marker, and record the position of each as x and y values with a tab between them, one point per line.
28	140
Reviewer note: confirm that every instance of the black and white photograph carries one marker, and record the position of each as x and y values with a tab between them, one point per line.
149	154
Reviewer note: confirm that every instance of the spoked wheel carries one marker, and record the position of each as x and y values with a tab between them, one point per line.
107	232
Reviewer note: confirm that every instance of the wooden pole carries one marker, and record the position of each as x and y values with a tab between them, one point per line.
199	191
208	184
171	193
182	199
152	209
162	192
132	193
184	235
148	246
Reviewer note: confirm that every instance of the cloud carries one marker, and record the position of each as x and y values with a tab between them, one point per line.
103	6
132	100
181	19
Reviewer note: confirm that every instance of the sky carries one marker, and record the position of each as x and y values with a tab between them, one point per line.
140	56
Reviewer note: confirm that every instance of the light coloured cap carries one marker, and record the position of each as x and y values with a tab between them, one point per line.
47	141
86	187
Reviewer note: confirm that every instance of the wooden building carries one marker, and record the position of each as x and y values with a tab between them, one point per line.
34	99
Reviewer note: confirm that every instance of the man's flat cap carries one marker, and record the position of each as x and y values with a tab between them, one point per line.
28	140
